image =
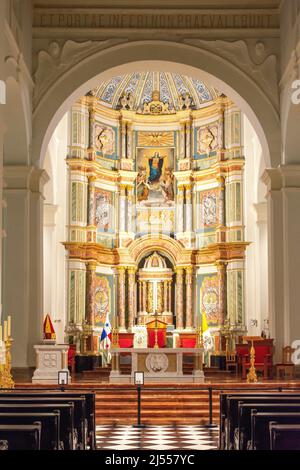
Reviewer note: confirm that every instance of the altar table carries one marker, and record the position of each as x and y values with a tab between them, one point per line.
163	365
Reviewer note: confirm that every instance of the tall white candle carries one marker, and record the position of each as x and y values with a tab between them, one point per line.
9	326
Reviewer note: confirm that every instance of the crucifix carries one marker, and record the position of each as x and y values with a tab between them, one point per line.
155	330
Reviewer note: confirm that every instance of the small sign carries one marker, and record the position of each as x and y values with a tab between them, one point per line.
63	377
139	378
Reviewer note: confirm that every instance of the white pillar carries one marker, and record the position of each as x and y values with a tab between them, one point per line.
23	259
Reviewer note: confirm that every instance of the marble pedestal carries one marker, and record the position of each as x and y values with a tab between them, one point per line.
50	359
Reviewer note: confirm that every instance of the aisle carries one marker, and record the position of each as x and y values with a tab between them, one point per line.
122	437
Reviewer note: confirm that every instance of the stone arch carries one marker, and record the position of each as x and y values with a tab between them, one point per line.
171	248
162	55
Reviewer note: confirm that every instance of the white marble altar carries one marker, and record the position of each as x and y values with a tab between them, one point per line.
162	365
50	359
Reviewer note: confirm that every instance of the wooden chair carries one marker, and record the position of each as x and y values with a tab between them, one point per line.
286	367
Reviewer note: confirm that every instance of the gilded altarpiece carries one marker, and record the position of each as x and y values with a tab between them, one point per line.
176	178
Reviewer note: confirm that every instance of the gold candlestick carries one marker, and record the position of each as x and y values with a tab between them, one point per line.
251	376
6	380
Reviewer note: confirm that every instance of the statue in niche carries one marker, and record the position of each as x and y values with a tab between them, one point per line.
142	186
167	185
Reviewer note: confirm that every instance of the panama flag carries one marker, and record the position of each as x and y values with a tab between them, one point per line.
106	333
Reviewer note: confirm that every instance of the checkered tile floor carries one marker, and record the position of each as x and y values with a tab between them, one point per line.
120	437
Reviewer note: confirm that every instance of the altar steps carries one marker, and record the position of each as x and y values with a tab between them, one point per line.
158	407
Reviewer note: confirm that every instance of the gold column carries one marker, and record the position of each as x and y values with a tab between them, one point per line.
165	309
179	298
149	297
121	296
140	309
144	296
221	267
189	282
160	305
131	297
169	296
90	292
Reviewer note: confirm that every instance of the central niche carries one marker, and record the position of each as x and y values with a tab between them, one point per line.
155	290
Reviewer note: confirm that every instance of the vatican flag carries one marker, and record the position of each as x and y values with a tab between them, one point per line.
204	325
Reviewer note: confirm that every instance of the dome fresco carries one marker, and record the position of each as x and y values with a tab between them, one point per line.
141	85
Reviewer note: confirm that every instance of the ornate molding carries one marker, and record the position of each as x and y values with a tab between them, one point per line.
59	58
258	59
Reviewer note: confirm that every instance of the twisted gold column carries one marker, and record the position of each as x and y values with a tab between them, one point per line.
179	298
121	296
189	282
131	297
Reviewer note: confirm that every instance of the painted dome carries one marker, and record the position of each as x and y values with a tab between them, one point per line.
141	85
155	261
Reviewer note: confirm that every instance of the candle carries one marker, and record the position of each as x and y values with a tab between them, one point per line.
9	326
0	332
5	330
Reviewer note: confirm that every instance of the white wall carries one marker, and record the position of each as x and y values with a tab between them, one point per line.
55	219
255	212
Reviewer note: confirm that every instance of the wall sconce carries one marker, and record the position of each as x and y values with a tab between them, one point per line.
253	322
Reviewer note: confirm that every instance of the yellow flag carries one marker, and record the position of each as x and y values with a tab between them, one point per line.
204	324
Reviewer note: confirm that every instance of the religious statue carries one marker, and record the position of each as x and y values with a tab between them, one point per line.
156	106
167	185
142	186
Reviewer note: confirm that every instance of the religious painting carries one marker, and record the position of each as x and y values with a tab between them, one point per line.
103	210
209	299
155	180
208	208
102	298
105	140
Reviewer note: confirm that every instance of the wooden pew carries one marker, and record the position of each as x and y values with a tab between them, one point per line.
50	426
66	417
20	437
284	436
79	412
90	408
231	419
260	436
243	432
